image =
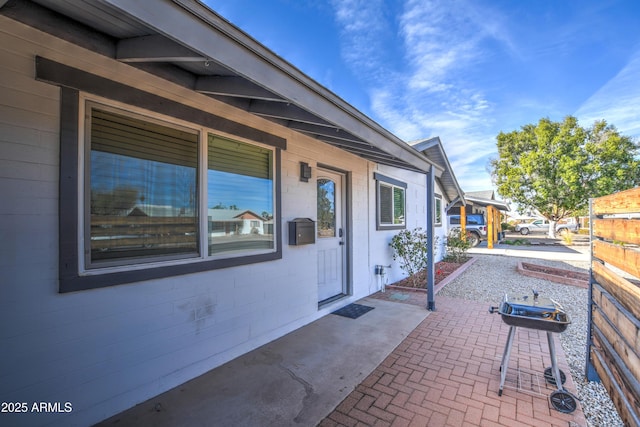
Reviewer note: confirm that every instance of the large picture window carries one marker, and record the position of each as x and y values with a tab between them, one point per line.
146	200
135	185
391	203
142	185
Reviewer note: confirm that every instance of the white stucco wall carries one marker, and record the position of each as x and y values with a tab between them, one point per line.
440	232
105	350
416	216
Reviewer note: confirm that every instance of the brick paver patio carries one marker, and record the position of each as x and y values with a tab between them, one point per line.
446	373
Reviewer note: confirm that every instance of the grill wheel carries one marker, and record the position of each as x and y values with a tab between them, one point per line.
548	376
563	401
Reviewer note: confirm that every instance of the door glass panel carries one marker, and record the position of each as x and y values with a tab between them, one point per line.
326	208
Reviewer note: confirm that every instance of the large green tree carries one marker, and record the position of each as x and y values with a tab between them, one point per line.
555	167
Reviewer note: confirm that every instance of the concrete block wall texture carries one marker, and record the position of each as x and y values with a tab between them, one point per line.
380	252
105	350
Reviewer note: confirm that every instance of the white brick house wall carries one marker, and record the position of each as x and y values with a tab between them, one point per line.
107	349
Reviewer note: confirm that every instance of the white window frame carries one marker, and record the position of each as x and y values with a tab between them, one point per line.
437	210
86	101
393	184
74	83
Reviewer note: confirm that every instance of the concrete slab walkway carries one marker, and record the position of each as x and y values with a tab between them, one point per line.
539	247
397	365
296	380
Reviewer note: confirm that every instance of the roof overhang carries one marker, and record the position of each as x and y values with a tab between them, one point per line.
189	44
433	149
498	204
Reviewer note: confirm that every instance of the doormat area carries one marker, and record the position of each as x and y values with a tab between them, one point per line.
353	311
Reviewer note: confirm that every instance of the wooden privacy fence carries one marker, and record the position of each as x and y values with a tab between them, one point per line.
613	348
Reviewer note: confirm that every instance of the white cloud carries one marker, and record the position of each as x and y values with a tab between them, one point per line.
417	86
363	29
383	103
617	101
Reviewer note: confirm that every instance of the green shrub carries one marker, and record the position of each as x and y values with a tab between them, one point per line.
457	245
410	247
516	242
507	227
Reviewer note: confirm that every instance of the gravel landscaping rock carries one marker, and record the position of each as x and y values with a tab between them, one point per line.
492	276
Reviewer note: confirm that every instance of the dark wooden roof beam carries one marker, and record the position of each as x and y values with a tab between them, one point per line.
234	86
360	148
281	110
155	48
334	133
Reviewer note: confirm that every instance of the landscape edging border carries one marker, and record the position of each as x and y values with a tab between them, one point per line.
551	277
444	281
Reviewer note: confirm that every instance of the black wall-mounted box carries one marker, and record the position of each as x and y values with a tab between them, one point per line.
302	231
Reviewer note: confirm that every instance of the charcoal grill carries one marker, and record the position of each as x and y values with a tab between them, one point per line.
544	314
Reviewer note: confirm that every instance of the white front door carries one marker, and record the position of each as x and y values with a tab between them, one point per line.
331	238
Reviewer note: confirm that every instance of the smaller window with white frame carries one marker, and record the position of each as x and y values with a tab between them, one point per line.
390	203
437	210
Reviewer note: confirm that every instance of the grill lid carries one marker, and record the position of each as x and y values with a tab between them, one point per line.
533	311
530	306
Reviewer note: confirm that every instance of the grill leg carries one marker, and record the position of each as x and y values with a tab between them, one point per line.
560	399
554	363
505	358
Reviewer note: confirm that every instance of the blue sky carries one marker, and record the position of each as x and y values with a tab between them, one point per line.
461	70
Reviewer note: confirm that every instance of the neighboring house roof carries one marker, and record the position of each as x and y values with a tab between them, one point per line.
160	211
189	44
232	214
501	205
137	212
485	194
249	215
433	149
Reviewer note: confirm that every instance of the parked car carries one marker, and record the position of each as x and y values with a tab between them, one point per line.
542	226
476	227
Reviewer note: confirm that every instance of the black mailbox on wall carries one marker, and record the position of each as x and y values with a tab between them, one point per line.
302	231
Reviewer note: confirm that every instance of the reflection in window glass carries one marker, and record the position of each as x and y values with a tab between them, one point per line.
240	197
143	189
326	208
391	204
386	204
437	215
398	205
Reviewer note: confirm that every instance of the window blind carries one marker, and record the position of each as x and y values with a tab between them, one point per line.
131	137
239	158
386	204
